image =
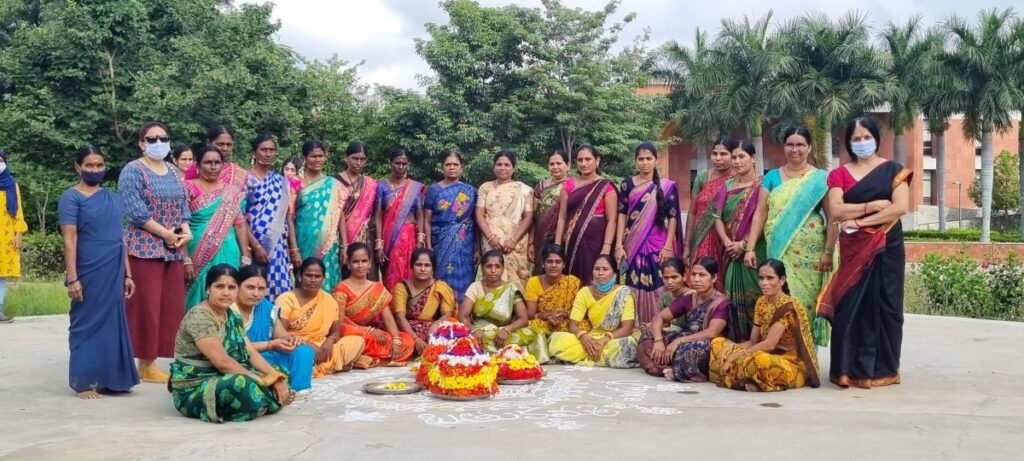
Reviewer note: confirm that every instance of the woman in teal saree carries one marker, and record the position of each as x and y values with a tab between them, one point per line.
319	219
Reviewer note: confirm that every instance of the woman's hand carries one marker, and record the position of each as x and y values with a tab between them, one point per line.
508	245
323	353
17	241
382	257
75	290
666	254
734	250
825	263
479	335
379	336
183	240
420	346
750	259
501	337
282	392
396	349
731	360
686	256
476	258
295	258
129	288
591	346
190	273
620	255
343	256
658	353
877	205
259	255
531	252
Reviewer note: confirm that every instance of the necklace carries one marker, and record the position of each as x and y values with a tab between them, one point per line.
400	183
700	301
800	174
306	179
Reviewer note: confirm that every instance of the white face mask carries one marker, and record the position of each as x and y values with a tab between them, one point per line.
3	167
158	150
863	149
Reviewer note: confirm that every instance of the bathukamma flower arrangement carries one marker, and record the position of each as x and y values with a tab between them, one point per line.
445	335
516	364
464	370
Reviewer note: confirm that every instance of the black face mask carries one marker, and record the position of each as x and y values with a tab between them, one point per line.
93	178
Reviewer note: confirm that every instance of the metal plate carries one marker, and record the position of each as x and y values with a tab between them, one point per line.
462	398
378	388
517	382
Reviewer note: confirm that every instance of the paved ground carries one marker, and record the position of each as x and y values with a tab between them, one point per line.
960	399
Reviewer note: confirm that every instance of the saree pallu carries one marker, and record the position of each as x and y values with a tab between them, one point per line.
690	360
453	234
584	229
496	309
504	208
545	219
199	390
557	298
359	208
793	363
311	322
736	209
364	310
271	203
298	362
317	211
795	234
644	239
864	300
606	315
704	241
214	216
424	308
399	206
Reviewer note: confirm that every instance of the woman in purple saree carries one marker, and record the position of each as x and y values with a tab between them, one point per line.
587	214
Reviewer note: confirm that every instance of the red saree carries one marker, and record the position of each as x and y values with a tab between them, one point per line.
364	310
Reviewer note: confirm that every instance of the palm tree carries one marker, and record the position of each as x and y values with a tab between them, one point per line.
1018	73
981	59
907	51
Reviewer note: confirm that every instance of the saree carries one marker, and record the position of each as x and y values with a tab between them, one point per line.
364	310
793	363
199	390
359	208
453	234
584	227
545	219
736	208
644	239
98	338
214	216
317	211
864	300
271	204
556	298
704	241
496	309
260	328
504	206
689	362
795	234
398	226
312	322
422	309
606	315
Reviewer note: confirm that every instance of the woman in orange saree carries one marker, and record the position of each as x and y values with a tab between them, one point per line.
367	306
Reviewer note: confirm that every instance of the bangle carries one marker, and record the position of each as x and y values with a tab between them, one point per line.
855	223
579	334
659	340
245	260
129	276
396	341
865	208
609	335
505	329
69	283
188	261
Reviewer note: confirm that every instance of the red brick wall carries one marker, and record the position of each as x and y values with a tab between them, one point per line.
978	251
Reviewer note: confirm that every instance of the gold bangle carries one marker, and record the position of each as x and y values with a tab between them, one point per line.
579	334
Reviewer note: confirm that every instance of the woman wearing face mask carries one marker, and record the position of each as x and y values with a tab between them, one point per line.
587	215
157	235
399	219
182	158
218	216
13	227
421	301
549	296
504	212
545	217
451	233
864	300
361	203
319	217
223	138
700	219
99	281
270	210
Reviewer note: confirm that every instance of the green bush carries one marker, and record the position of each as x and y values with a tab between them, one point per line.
42	256
1006	279
956	285
960	235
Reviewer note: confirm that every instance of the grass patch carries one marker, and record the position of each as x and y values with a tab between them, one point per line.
36	298
960	235
915	298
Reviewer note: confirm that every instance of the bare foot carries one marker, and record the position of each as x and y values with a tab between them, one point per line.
751	387
669	374
89	395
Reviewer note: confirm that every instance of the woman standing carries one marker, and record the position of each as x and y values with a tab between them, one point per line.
549	296
700	220
217	375
98	281
504	212
399	220
648	230
587	215
157	235
270	203
362	201
291	167
420	302
449	208
223	138
319	217
218	215
779	354
740	210
609	308
795	231
183	158
12	227
545	217
864	300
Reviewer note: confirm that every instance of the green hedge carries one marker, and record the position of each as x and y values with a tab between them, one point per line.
960	235
42	256
954	284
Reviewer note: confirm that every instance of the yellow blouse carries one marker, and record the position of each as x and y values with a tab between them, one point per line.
10	257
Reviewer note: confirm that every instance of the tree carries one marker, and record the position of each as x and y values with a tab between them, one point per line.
937	107
695	82
907	51
1017	60
1005	184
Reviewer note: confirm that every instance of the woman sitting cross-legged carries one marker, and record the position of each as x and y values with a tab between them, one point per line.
549	296
780	354
609	308
266	333
421	301
495	313
682	354
217	375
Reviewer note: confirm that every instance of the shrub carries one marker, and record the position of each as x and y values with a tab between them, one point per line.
42	256
955	285
960	235
1006	279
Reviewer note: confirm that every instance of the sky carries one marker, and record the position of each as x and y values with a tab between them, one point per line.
379	33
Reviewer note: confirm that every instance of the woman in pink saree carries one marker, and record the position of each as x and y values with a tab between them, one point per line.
399	220
362	200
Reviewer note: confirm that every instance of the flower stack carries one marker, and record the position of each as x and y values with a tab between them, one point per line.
442	338
516	364
464	370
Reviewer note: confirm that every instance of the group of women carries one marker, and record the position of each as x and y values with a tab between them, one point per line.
347	271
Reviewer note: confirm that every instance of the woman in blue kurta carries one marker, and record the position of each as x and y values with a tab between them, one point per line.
266	334
451	233
98	282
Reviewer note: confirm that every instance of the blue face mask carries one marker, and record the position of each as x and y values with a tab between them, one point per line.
863	149
93	178
605	287
158	150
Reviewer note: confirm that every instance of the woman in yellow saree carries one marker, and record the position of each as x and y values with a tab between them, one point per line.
504	214
609	308
420	302
313	316
780	354
495	313
549	296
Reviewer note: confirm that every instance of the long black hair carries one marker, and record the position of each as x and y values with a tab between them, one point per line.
663	207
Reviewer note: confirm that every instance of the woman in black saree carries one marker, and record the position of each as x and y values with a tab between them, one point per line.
864	299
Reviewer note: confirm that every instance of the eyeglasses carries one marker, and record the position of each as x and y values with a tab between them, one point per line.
796	146
155	139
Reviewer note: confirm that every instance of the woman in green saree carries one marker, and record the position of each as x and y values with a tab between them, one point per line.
319	220
496	314
217	375
218	216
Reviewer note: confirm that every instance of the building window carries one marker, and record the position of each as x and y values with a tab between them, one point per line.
693	180
927	136
928	188
977	148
